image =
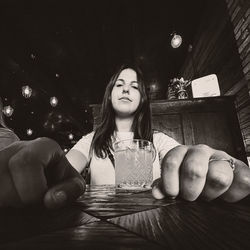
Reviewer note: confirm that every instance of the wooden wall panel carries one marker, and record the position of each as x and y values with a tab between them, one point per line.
171	124
239	12
222	47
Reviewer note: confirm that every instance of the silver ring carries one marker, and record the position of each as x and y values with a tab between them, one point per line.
231	162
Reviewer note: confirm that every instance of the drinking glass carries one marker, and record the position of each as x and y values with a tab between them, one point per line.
134	164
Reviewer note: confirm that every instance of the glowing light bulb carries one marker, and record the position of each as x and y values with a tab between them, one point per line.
8	110
53	101
176	41
29	131
26	91
71	136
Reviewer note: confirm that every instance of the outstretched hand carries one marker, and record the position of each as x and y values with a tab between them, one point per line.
200	171
36	171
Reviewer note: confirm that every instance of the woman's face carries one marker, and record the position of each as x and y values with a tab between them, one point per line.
125	95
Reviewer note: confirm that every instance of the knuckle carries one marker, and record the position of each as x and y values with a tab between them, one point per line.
244	181
202	147
22	159
180	147
171	163
195	171
48	142
220	180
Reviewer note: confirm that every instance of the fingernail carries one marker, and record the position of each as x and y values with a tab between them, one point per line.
60	196
156	192
171	197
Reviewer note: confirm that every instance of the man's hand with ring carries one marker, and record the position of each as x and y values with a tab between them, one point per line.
201	171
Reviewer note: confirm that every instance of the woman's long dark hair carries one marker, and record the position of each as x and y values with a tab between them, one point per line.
142	120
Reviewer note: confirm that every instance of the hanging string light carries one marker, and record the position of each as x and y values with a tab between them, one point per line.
71	136
53	101
8	110
26	91
32	56
176	40
29	131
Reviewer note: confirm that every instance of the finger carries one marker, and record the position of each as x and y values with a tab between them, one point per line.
65	192
240	187
170	170
219	179
193	172
157	190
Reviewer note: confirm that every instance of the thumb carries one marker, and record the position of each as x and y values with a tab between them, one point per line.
65	192
157	189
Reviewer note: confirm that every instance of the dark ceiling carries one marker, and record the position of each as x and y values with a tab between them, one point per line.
69	49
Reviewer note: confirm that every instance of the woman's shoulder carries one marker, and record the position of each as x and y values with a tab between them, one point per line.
84	143
161	138
89	136
159	134
163	142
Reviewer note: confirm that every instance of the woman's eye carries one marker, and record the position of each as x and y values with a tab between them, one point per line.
118	84
135	86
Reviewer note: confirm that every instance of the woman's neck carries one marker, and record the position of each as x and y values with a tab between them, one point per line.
124	124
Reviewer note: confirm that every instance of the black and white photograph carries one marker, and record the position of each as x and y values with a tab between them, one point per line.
125	124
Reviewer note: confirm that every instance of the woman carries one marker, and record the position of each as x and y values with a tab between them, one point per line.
125	115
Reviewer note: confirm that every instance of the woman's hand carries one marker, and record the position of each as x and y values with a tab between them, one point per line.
200	171
33	172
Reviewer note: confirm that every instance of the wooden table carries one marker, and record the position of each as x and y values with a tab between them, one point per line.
104	219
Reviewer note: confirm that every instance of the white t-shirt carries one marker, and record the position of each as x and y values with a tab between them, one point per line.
102	170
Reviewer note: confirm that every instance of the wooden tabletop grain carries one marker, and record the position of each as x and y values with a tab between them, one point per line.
105	219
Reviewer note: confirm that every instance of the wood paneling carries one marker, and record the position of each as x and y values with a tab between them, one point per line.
239	12
222	47
171	124
214	49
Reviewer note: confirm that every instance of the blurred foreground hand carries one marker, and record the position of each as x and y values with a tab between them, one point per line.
36	172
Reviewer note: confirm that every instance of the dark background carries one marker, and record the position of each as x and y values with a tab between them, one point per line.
69	49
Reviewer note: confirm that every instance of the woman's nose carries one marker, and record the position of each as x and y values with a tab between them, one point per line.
125	88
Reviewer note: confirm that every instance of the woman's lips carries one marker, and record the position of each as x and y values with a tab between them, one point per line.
125	99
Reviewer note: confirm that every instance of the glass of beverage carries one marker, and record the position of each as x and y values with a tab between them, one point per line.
134	164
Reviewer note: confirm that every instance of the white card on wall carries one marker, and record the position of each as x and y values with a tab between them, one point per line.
205	86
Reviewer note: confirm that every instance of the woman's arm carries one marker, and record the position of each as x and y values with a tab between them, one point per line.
77	159
78	155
